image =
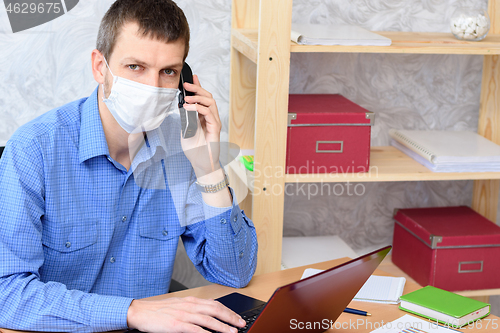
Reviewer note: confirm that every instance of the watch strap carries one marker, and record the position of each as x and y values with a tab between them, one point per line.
214	188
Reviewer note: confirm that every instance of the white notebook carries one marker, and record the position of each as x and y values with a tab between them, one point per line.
319	34
381	289
448	151
377	289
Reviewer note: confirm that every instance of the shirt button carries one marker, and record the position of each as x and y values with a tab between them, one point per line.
68	244
112	259
124	218
241	254
223	221
235	219
165	232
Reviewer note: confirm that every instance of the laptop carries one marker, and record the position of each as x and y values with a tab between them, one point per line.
319	299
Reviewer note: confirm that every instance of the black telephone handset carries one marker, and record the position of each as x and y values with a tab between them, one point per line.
189	119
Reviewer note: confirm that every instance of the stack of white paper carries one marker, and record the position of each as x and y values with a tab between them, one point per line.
448	151
318	34
381	289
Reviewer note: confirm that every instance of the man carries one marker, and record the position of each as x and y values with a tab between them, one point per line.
81	238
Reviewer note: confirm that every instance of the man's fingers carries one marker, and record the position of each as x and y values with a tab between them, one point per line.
229	315
199	99
207	114
188	327
212	309
211	323
196	80
196	89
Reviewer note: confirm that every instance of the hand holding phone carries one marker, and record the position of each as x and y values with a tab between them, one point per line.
189	118
200	145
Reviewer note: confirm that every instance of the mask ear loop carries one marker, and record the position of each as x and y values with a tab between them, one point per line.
103	92
108	66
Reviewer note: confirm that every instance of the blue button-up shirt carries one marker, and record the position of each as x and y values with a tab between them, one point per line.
80	236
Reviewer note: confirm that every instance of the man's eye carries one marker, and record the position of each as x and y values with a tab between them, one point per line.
169	71
133	67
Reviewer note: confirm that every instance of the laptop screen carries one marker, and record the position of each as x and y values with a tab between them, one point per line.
318	298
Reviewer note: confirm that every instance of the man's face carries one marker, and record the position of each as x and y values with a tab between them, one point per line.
144	60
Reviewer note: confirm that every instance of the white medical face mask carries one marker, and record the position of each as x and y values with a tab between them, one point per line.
139	107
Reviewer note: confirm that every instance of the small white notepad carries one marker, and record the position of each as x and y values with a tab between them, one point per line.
377	289
381	289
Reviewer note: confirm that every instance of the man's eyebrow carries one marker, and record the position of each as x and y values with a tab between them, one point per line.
134	61
142	63
178	65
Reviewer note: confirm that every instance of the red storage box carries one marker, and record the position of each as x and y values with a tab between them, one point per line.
452	248
327	134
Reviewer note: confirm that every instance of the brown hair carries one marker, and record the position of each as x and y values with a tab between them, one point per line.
159	19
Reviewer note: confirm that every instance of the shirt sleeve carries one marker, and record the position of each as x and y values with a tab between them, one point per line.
27	303
221	242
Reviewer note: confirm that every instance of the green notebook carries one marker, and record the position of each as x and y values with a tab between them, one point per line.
444	306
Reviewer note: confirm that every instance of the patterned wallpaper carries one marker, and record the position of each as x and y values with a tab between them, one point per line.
49	65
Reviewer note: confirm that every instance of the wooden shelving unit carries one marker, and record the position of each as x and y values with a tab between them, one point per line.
260	70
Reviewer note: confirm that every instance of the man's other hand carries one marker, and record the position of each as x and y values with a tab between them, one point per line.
188	314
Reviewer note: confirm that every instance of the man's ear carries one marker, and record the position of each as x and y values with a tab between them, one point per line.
98	66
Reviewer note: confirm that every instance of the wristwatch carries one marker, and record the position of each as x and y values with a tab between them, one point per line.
214	188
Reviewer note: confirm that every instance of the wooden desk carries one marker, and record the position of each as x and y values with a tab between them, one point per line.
262	287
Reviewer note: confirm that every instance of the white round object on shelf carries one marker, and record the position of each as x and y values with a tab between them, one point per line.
470	24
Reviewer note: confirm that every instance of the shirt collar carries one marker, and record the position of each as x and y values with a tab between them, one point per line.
160	143
153	148
92	139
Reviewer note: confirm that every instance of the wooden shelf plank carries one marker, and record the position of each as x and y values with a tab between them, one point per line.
415	42
388	266
389	164
245	41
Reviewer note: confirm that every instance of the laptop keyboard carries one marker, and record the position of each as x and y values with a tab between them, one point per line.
249	317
